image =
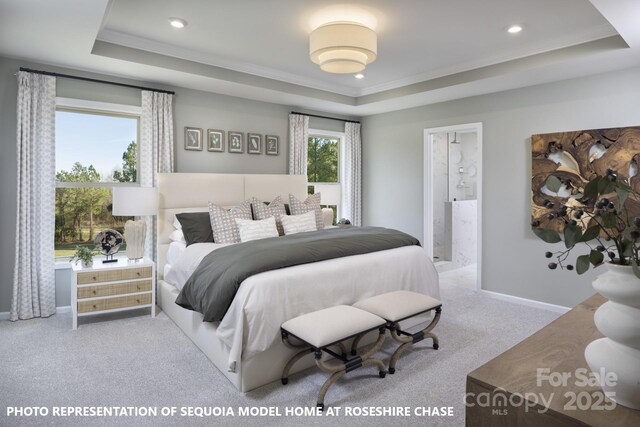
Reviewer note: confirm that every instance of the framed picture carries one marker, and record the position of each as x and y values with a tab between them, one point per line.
254	143
236	142
215	140
192	139
271	141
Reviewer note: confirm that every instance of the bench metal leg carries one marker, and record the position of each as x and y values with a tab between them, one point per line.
291	362
408	339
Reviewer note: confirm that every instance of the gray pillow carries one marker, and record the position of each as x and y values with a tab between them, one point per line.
223	224
196	227
274	209
312	203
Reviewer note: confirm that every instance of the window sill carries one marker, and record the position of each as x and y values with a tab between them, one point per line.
63	264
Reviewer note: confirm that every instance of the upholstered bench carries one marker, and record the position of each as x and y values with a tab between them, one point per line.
316	332
395	307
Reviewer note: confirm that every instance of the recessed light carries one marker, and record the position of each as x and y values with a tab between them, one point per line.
359	76
514	29
177	22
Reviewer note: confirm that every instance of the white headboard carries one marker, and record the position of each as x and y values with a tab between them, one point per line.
192	192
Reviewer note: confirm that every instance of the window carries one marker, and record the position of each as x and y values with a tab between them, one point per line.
95	151
323	163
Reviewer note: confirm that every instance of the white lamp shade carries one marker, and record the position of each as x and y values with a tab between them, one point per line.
331	193
135	201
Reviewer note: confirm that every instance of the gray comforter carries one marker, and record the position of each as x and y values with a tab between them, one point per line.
213	285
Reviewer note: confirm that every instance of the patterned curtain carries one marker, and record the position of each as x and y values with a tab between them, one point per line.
352	174
298	135
156	150
34	287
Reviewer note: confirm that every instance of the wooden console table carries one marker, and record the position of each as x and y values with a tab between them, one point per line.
494	389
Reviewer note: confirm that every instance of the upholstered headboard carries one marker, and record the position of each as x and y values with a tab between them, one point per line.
192	192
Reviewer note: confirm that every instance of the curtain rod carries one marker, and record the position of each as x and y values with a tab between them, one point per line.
325	117
87	79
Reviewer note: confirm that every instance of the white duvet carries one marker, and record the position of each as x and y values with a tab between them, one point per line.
265	301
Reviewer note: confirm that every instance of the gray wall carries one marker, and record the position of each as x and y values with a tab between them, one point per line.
191	108
513	261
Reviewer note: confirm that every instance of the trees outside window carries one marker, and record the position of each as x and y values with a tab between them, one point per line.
94	152
323	162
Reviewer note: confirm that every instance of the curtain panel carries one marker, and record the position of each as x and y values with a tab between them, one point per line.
298	136
352	174
34	289
156	150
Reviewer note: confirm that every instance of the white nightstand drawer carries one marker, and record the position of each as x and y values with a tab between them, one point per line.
113	303
114	289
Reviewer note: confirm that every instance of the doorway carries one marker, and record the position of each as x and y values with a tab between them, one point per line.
453	202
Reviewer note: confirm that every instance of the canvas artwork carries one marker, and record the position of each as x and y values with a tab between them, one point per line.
236	142
215	140
254	145
576	157
272	145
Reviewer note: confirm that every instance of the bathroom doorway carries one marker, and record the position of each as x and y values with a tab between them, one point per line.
452	202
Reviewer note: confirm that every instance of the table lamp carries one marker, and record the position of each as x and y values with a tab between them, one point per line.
331	196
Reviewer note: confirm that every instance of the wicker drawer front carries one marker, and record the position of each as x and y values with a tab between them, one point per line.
113	275
115	289
111	303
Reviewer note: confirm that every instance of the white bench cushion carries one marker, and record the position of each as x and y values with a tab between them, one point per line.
331	325
397	305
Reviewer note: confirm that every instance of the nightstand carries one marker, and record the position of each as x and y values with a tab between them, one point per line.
112	287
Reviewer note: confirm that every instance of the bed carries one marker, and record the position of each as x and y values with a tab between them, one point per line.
245	345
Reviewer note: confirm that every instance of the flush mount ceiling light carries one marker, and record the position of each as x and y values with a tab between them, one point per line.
343	47
177	22
359	76
514	29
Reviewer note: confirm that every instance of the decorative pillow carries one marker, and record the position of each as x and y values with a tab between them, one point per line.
176	223
254	230
275	209
293	224
311	204
225	229
178	236
196	227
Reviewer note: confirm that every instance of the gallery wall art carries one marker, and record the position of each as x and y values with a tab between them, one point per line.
235	141
574	158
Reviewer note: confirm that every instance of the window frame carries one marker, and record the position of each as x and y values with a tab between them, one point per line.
340	136
83	106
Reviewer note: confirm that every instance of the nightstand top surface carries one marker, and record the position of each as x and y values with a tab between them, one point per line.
123	262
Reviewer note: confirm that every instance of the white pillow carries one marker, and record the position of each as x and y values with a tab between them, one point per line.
254	230
176	223
177	236
293	224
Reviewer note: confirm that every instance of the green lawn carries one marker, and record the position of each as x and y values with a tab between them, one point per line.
67	249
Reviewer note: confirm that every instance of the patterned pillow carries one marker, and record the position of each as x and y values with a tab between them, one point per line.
254	230
274	209
293	224
311	204
225	229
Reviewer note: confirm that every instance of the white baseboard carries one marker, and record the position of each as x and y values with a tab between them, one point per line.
528	302
4	315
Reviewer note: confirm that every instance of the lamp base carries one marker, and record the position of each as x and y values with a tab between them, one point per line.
135	233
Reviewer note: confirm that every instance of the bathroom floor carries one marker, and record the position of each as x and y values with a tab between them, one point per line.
464	277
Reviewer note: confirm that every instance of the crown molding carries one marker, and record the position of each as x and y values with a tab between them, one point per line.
135	42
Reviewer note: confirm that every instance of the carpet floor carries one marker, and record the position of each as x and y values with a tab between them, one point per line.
139	361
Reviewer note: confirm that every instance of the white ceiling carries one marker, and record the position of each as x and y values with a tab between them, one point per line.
428	50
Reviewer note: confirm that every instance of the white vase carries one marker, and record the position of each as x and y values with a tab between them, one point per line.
134	234
619	320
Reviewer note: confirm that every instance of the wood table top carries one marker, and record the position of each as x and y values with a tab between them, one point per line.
558	347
